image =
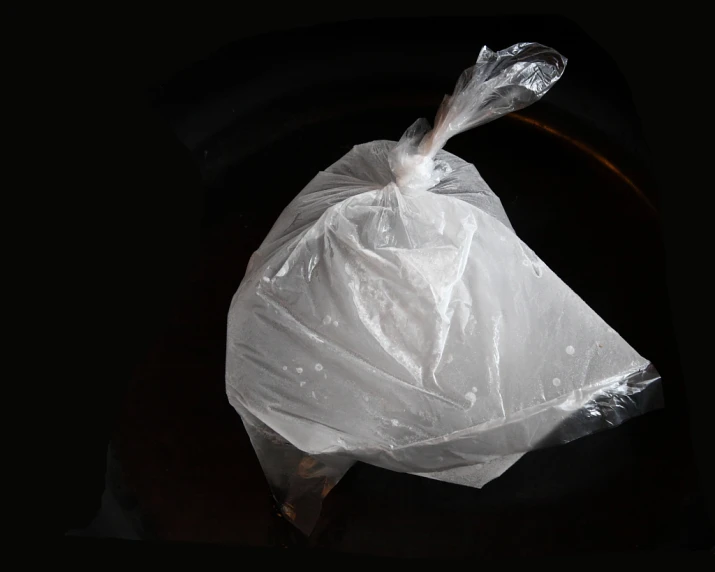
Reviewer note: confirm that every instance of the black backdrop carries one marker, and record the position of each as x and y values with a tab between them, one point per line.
140	241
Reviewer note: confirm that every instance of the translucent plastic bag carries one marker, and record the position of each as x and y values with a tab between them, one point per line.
392	316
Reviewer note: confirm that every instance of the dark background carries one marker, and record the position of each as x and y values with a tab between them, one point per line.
140	245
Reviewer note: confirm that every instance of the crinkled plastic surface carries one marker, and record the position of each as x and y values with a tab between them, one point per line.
393	316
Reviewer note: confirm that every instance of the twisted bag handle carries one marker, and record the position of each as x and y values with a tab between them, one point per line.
499	83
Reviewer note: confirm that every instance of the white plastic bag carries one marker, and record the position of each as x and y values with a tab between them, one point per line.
393	316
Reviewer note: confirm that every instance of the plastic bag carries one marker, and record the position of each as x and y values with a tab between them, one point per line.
393	316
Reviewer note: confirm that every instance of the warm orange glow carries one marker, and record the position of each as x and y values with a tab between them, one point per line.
590	151
289	511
